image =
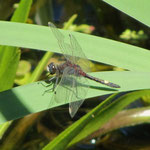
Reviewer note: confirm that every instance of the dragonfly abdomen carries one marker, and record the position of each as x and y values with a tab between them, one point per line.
105	82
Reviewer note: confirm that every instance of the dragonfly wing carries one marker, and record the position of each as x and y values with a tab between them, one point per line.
73	51
63	90
72	89
80	57
74	106
80	87
65	47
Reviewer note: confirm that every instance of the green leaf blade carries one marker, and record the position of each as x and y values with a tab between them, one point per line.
10	56
18	100
136	9
95	48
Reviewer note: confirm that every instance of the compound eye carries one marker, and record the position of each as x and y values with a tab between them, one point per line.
51	68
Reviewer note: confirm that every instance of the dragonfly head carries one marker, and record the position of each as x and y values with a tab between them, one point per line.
51	68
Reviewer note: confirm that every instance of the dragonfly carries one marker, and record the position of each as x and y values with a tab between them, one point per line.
71	77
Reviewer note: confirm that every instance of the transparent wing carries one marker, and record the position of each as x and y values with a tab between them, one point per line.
65	47
64	89
79	56
73	51
71	89
81	88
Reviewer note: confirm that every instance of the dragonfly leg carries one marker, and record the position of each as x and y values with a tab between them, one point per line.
48	91
45	85
50	83
55	84
51	79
